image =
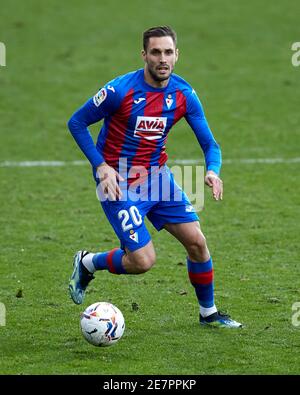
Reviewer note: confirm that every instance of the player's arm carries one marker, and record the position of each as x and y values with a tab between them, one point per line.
95	109
212	152
104	103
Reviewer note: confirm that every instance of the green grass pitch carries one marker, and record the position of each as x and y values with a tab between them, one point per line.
237	55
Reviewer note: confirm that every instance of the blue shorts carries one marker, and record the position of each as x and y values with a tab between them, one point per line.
159	198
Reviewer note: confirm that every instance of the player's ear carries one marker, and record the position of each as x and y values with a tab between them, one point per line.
143	54
176	54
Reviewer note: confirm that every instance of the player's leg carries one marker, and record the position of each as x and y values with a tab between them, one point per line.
199	262
121	261
135	256
139	261
177	215
116	261
192	238
200	270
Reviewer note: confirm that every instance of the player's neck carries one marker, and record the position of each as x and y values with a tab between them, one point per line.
152	82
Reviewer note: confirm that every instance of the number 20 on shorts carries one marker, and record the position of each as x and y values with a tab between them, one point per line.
130	217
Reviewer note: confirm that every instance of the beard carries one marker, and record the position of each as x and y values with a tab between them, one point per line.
157	77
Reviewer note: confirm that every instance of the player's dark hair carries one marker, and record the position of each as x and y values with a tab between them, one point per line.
158	31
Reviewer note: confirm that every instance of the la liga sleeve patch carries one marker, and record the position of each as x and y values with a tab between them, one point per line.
100	97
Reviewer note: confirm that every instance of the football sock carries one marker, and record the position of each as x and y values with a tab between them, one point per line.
109	260
87	261
205	312
201	275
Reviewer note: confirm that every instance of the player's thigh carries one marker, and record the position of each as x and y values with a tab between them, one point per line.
173	207
189	234
174	212
127	220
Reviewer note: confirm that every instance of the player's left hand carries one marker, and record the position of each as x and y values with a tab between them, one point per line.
214	182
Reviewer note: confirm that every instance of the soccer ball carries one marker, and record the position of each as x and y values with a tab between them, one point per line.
102	324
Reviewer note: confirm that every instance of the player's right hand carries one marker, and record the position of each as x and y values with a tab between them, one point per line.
109	179
214	182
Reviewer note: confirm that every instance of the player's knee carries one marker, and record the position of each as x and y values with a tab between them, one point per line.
144	262
197	246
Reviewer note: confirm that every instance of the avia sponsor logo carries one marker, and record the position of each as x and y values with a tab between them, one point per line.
150	128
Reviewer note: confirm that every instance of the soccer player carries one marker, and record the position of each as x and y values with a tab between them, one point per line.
139	110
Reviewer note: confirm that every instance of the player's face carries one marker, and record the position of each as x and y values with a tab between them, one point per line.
160	57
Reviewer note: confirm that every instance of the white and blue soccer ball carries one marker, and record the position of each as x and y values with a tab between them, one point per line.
102	324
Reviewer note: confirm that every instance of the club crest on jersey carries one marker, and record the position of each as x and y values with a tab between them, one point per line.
169	101
150	128
100	97
134	236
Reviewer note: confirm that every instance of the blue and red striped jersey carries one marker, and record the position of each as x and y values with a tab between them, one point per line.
137	121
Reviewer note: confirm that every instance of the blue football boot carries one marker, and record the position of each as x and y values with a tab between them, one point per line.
219	320
80	278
